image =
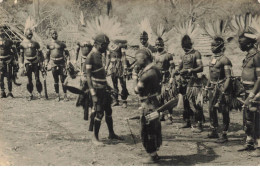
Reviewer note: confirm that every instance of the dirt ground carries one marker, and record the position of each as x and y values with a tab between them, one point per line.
46	132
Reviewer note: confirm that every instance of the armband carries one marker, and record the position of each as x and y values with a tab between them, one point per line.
88	66
227	67
92	92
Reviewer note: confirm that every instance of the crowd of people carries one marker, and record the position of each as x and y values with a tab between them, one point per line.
158	80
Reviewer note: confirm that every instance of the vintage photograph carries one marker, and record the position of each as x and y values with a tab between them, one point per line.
129	82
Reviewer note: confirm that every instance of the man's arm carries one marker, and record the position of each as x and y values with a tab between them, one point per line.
77	51
48	55
228	70
88	74
66	52
22	55
199	67
108	60
14	51
256	88
124	59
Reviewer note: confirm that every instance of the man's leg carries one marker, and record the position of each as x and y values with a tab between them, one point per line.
2	85
37	79
198	113
115	85
124	93
257	133
213	117
186	113
63	76
226	122
29	70
55	75
109	121
151	138
9	80
249	127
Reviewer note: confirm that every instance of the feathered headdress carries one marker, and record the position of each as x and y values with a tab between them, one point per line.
218	29
254	29
29	24
177	34
104	25
143	27
241	23
188	28
161	32
82	19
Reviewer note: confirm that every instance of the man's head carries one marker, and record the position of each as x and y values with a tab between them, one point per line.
28	33
159	44
186	43
54	34
143	57
144	38
246	43
88	47
217	46
101	42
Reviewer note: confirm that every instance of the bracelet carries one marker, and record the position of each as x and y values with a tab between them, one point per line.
92	92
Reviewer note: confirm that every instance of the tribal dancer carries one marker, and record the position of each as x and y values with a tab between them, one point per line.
58	55
119	68
96	76
8	61
164	61
145	33
249	31
191	86
148	88
219	80
30	59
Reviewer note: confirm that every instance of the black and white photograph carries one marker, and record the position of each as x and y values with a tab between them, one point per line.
129	82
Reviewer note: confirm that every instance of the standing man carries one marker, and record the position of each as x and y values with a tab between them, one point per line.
190	65
219	85
96	79
85	48
30	61
83	100
117	57
8	59
144	45
164	61
59	56
148	88
251	81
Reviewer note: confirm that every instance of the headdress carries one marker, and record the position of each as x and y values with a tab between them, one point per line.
188	28
145	28
104	25
160	33
218	30
186	31
29	24
254	29
82	19
241	23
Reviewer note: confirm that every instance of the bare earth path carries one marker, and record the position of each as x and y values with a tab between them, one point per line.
46	132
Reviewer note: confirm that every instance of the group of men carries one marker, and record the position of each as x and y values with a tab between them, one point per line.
157	80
